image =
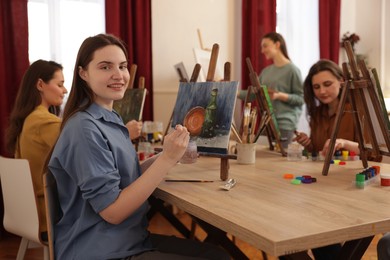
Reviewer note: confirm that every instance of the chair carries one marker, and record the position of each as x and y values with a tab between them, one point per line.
53	210
20	208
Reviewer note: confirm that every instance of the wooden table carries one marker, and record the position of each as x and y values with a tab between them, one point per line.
275	216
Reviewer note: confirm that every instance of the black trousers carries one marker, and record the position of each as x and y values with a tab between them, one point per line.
174	248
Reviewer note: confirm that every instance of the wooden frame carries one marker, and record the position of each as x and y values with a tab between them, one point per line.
359	89
182	72
265	111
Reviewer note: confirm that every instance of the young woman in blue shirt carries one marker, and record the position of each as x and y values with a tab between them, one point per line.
102	192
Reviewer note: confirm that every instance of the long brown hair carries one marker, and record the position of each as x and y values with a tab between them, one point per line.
28	98
81	95
277	37
308	92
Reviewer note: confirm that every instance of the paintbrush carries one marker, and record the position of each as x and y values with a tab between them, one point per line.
235	133
253	121
245	123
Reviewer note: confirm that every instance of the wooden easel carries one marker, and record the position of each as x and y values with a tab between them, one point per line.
213	233
201	41
224	169
261	102
359	90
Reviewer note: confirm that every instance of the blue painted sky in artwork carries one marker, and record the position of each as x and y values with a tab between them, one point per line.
198	94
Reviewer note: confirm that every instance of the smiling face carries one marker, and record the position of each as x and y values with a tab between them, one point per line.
53	92
269	48
107	75
326	87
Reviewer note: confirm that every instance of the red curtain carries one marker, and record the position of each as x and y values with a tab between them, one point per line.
258	18
329	23
13	63
13	57
131	21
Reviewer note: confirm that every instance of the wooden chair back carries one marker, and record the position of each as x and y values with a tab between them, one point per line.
53	209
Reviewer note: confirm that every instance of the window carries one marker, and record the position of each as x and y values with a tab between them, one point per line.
297	21
58	27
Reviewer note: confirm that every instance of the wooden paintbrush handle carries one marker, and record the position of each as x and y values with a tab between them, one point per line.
213	62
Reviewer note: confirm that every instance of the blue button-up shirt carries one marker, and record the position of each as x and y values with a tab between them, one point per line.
92	162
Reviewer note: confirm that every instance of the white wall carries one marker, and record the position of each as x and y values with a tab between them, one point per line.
347	23
363	18
385	48
368	19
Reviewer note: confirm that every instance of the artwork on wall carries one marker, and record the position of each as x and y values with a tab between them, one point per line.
206	109
130	107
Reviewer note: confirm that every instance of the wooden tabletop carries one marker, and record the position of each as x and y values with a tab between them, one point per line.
269	212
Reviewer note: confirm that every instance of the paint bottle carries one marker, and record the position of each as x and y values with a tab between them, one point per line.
385	179
353	156
345	155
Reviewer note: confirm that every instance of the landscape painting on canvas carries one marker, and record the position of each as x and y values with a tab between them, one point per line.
131	106
206	109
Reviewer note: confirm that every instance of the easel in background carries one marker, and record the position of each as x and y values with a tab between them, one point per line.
181	71
141	80
119	105
130	107
261	101
359	89
201	42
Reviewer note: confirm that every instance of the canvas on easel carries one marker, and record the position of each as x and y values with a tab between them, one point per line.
206	109
265	106
130	107
132	104
378	89
195	120
359	90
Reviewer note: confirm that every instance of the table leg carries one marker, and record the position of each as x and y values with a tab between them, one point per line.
296	256
157	205
224	171
218	237
355	249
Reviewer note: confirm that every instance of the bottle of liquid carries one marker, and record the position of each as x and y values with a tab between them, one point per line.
294	152
208	128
